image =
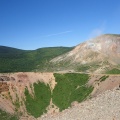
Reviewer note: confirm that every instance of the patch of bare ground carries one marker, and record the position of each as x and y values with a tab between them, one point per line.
101	86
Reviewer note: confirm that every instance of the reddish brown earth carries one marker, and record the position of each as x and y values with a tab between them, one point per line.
12	87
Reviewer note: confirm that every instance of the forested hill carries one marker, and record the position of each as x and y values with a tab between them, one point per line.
17	60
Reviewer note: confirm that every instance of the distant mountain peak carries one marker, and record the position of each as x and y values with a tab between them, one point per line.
96	51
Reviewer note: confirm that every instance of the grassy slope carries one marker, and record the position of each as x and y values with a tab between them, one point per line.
70	87
16	60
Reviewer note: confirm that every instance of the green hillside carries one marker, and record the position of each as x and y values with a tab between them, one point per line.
16	60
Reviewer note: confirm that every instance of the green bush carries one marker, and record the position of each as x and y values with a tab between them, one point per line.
103	78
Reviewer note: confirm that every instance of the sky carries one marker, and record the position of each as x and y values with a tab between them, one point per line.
32	24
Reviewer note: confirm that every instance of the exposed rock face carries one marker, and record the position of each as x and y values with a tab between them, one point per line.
3	83
4	78
103	51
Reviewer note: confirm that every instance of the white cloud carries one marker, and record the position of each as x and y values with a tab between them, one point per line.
60	33
98	31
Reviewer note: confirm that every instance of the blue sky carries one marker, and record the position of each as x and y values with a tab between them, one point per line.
32	24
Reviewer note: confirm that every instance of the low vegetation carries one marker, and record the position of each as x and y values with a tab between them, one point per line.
113	71
17	103
103	78
36	105
70	87
83	68
7	116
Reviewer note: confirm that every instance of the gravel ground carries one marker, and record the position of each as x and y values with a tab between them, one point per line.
105	106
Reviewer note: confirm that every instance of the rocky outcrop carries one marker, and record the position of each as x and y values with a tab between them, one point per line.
4	78
4	87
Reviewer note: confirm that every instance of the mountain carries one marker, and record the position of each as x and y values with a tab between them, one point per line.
98	55
16	60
